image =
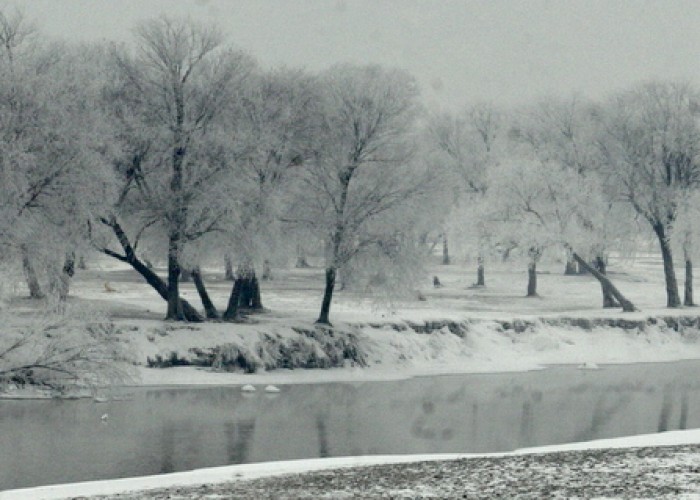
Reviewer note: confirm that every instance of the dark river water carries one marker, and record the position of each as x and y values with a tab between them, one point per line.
166	430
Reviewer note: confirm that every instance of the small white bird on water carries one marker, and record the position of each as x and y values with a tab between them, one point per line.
104	417
248	388
272	388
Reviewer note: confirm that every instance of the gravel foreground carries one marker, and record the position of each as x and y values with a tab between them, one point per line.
652	472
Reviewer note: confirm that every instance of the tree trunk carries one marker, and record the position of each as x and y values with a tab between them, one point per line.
67	272
571	268
82	265
209	308
480	278
232	309
688	288
174	305
534	254
327	296
145	270
627	306
672	296
30	275
445	250
532	279
228	265
609	300
245	294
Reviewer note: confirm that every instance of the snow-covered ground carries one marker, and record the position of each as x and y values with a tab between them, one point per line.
216	475
293	297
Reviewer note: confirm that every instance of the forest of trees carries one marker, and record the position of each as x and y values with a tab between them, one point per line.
179	150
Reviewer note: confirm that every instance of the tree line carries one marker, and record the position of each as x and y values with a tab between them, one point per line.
180	149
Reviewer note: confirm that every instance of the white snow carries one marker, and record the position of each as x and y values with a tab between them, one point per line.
252	471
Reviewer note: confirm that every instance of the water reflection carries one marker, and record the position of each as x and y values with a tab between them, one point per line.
178	429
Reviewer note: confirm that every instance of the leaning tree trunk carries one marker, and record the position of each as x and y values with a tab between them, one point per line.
609	300
627	306
145	270
232	309
480	275
209	308
445	250
323	318
35	291
672	296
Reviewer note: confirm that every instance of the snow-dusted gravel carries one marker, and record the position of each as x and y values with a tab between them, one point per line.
647	472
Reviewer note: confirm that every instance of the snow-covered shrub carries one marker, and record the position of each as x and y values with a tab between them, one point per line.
62	351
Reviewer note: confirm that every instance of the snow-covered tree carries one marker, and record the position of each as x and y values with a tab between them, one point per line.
361	181
651	145
169	98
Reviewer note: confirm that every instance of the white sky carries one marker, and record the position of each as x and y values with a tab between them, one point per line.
505	51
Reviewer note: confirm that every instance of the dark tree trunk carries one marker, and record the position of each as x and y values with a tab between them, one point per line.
245	294
35	291
672	297
609	300
534	254
532	279
480	275
445	250
145	270
209	308
228	266
174	305
688	288
627	306
250	289
327	297
232	309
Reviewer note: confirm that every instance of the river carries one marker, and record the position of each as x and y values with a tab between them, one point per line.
159	430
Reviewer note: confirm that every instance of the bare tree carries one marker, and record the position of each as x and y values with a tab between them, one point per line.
652	145
171	96
361	176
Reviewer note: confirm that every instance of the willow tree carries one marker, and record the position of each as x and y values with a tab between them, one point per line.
169	98
652	146
361	182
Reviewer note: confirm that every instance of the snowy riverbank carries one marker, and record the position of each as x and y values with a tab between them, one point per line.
393	351
193	484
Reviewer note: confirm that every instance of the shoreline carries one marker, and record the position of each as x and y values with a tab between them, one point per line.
234	474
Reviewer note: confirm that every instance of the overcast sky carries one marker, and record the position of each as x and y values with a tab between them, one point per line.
461	51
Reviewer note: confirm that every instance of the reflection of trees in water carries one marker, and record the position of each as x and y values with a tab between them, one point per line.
666	408
683	421
167	448
322	435
526	424
603	414
239	437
